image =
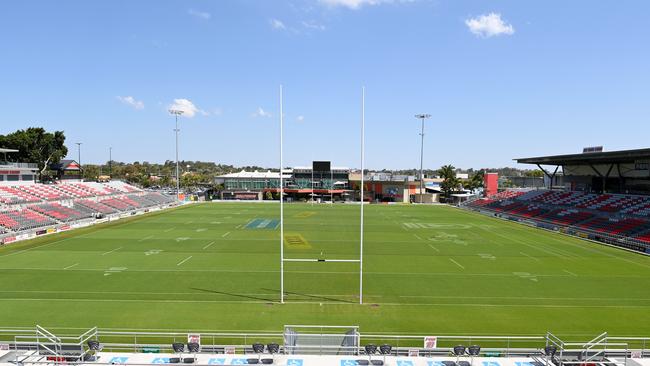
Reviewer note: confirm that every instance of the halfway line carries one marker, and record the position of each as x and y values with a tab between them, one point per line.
68	267
226	234
207	246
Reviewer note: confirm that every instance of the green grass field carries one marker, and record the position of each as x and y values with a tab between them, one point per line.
428	270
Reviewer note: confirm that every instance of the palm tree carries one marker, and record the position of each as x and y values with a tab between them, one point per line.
475	182
449	181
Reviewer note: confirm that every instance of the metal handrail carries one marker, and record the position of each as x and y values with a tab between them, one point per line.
40	339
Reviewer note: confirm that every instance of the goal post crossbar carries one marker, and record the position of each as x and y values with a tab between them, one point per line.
319	260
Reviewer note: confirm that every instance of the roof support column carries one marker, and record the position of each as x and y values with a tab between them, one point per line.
551	176
620	178
611	166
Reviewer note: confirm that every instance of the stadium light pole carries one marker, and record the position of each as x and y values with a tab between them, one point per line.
176	113
79	159
422	117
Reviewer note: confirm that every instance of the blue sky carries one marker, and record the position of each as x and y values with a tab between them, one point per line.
501	79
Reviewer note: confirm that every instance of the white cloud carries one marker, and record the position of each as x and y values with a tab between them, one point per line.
199	14
277	24
356	4
312	25
489	25
188	108
300	118
129	100
261	113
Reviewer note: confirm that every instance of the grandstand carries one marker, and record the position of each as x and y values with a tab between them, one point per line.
595	203
613	218
27	208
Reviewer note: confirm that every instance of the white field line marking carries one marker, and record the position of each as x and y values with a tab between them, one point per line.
189	293
168	230
541	233
598	251
74	265
456	263
331	303
418	236
184	260
607	299
146	237
208	246
571	273
238	226
562	252
189	222
114	250
38	247
62	240
226	234
420	274
529	256
536	247
434	248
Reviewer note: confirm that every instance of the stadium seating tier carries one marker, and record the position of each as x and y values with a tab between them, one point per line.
610	214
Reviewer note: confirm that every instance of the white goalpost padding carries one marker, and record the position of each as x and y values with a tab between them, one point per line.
282	258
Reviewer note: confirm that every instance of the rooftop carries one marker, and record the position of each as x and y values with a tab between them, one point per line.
608	157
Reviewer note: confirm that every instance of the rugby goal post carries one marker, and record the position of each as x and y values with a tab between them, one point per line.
282	258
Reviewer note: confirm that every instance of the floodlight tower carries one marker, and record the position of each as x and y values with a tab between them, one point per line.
176	113
422	117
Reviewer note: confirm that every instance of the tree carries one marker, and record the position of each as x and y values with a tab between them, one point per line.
475	181
35	145
449	181
91	172
534	173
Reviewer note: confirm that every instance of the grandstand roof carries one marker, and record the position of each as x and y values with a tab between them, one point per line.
609	157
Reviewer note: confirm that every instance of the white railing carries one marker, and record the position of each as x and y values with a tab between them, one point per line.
41	342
